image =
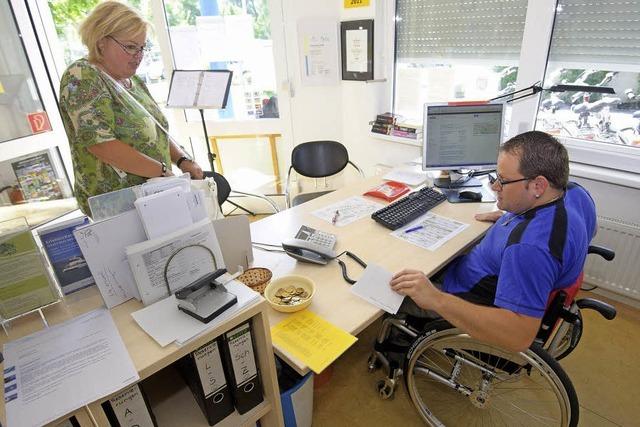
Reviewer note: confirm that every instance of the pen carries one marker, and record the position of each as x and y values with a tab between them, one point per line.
335	218
412	229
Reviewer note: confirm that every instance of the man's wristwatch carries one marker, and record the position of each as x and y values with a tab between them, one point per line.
182	159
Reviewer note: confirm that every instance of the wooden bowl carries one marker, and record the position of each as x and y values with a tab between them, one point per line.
256	278
284	285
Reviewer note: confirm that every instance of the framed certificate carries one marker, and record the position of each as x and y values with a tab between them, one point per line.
357	49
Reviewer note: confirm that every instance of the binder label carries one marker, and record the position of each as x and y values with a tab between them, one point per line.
130	408
210	368
241	351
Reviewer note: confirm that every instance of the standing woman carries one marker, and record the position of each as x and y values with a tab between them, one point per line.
109	116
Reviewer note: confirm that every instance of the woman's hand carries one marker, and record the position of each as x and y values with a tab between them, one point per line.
193	168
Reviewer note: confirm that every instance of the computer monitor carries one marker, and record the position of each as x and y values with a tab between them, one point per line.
461	137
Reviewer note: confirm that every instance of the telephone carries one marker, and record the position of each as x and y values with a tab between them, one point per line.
311	245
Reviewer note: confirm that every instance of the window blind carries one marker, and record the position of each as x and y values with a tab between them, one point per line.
459	29
597	32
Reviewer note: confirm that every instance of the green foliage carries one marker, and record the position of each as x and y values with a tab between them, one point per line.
183	12
256	8
509	77
69	12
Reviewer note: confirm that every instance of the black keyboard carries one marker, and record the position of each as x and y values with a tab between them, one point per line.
405	210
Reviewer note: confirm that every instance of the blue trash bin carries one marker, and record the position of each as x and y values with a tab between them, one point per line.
297	403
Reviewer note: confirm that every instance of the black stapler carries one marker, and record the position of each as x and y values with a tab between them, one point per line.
205	298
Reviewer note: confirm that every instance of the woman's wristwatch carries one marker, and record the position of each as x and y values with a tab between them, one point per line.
164	169
182	159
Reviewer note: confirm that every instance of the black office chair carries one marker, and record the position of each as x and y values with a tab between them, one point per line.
316	159
224	191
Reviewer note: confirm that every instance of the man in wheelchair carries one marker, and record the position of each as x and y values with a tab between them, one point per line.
491	301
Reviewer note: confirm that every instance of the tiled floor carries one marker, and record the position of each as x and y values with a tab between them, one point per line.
604	370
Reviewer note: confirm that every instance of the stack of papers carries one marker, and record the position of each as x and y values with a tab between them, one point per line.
166	324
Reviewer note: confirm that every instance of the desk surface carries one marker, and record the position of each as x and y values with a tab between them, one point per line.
367	239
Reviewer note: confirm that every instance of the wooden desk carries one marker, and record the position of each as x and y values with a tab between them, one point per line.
365	238
148	357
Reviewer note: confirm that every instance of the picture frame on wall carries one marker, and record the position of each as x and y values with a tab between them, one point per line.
356	43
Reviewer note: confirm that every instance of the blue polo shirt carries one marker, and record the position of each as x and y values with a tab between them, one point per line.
523	258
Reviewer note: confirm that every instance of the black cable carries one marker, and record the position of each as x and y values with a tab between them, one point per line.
343	266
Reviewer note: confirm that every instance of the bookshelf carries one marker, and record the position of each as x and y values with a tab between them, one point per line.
391	138
151	359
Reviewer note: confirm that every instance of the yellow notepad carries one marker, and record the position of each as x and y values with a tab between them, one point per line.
310	338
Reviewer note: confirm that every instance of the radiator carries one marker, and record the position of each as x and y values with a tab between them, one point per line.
622	275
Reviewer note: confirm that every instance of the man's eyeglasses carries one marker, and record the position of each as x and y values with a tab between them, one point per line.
501	182
132	49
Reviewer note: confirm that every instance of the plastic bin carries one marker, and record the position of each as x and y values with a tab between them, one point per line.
296	396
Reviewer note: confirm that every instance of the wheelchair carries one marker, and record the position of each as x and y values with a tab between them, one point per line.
454	379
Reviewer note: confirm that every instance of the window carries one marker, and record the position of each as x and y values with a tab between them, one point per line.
455	50
595	44
227	34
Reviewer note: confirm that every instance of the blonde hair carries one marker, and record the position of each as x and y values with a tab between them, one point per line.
110	18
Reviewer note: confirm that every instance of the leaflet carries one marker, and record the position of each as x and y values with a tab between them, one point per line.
430	231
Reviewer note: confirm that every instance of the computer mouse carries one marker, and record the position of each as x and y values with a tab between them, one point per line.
470	195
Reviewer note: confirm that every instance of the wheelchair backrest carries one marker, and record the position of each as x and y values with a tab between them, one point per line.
558	305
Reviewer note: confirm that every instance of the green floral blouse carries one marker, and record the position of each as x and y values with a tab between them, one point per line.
94	111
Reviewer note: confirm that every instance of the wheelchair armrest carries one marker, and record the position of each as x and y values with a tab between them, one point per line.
606	310
605	253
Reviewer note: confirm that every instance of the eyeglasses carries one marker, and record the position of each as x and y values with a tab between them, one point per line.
132	49
501	182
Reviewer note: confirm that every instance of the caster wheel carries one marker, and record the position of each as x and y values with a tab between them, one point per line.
373	364
385	389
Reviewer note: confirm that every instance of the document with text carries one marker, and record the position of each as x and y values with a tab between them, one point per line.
58	370
374	288
430	231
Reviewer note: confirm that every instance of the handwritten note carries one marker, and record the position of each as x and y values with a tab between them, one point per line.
347	211
311	339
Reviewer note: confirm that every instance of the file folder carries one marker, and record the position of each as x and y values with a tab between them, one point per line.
129	408
205	374
244	378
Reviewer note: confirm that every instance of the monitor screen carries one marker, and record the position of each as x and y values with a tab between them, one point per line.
461	136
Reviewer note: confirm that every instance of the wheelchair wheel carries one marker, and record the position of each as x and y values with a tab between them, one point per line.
455	380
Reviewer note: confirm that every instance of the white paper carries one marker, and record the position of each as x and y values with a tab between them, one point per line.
156	185
58	370
166	324
347	211
435	231
356	51
318	51
184	87
103	246
164	212
373	287
148	260
410	175
212	90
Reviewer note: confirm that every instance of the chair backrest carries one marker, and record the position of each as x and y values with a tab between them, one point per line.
558	305
224	189
318	159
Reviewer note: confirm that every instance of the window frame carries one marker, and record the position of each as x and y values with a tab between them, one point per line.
532	66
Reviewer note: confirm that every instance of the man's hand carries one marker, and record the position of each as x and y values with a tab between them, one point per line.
193	168
417	286
489	216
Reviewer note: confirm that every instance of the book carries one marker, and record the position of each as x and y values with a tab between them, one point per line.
199	89
380	129
389	190
129	408
406	128
204	373
388	118
65	257
24	281
240	359
403	134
